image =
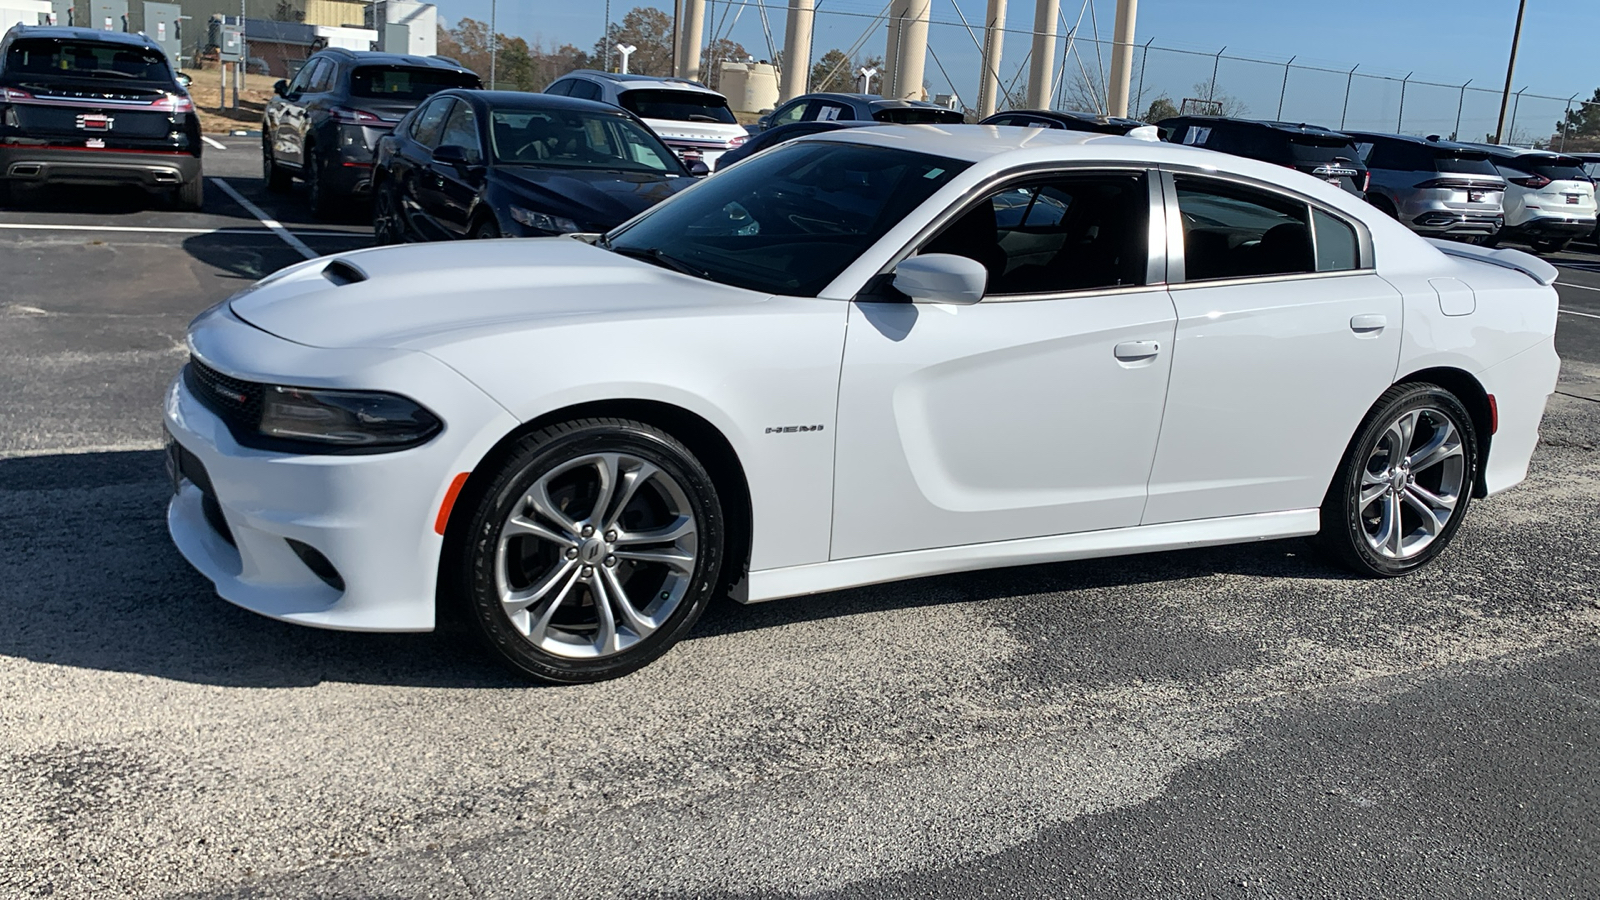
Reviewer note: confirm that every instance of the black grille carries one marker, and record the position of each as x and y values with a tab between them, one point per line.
237	402
189	467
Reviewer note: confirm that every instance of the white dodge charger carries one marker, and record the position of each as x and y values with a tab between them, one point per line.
870	355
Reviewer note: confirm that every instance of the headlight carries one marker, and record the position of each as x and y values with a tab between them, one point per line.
344	418
543	221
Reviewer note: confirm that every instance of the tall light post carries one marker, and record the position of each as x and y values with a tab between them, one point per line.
1505	95
494	40
625	50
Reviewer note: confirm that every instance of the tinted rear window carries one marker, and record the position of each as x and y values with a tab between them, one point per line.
405	83
677	106
1463	163
1555	168
916	115
1306	148
87	59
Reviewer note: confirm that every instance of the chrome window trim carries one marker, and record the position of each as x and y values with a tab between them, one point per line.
1156	262
1175	262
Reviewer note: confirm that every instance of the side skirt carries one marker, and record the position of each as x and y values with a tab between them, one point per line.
796	581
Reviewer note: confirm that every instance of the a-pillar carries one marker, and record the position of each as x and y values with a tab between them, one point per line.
691	35
797	50
993	38
1041	73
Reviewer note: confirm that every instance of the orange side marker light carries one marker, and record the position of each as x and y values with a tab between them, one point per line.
449	502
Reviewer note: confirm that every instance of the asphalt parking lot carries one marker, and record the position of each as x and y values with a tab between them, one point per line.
1235	722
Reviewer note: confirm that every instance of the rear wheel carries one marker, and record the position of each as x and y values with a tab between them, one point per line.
191	195
1551	245
5	193
1405	483
591	551
317	192
1383	205
388	224
276	177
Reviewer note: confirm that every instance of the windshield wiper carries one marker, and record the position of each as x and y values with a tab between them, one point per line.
655	256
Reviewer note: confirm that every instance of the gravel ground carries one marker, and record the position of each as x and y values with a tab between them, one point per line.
1242	721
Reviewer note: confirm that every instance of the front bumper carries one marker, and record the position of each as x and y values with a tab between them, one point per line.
85	165
370	517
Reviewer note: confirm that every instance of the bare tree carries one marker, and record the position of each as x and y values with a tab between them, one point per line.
1226	104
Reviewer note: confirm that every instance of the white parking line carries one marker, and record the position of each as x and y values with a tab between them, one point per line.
126	229
1581	287
1573	312
213	142
271	223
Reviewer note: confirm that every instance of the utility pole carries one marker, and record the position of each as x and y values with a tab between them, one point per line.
797	50
1122	58
1041	78
494	41
1505	95
994	35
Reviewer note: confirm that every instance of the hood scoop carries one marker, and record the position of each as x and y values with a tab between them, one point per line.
342	272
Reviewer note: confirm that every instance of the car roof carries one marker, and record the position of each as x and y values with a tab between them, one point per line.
1072	114
1413	139
378	58
1271	124
525	100
974	143
870	99
633	81
1501	150
67	33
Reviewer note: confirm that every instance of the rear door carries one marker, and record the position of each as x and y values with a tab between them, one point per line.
289	144
1286	336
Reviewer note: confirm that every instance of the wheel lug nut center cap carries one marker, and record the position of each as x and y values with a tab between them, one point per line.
592	551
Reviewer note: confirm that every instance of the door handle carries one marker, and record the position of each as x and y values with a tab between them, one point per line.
1369	322
1128	351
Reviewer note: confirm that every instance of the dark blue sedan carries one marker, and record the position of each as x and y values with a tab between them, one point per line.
487	164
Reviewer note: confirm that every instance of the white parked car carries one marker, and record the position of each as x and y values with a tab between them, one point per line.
1549	198
689	117
868	355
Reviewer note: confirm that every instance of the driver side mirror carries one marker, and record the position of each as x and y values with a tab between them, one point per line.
281	88
699	169
455	156
941	278
185	80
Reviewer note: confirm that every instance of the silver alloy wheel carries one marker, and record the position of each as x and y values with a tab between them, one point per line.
1412	482
596	555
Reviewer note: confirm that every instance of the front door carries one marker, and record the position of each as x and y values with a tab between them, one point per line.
448	192
1033	412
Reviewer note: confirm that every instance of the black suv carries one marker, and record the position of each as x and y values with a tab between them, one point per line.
1314	150
324	125
1058	118
95	107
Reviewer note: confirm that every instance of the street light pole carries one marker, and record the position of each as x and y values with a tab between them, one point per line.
1505	95
494	41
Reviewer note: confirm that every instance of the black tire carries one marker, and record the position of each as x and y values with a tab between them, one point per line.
5	193
487	229
191	195
1382	204
1346	521
1551	245
1492	240
388	224
317	193
277	178
560	456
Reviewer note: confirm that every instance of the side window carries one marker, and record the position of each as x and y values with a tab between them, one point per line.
304	76
585	90
1371	154
1197	136
426	127
1057	234
1337	247
1231	231
832	112
461	130
788	115
561	88
322	79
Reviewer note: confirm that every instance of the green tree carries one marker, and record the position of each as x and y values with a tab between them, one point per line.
1160	108
837	72
1582	122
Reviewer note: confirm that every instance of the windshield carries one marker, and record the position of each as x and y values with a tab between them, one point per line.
88	60
919	115
403	83
680	106
789	220
569	139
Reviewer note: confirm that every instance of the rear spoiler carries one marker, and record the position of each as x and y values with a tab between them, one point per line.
1526	263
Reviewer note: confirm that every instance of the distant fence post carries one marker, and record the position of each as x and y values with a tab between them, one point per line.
1144	58
1456	134
1285	88
1566	123
1402	116
1348	79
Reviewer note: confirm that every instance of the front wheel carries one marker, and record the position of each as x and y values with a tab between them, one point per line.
486	230
388	223
317	187
1551	245
1405	483
591	551
278	180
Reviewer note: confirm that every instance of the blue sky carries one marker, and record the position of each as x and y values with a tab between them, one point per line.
1441	42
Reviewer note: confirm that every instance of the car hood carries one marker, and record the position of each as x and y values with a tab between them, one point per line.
425	295
592	198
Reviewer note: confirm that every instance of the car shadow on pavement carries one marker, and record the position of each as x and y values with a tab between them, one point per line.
241	258
90	579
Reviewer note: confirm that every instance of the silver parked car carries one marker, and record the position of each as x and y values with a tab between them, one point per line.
1434	187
